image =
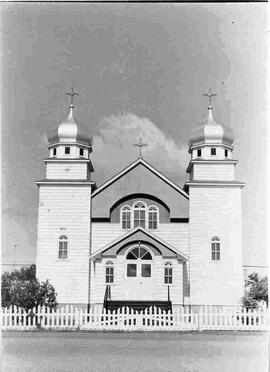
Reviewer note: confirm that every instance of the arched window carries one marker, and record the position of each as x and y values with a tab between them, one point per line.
215	248
139	216
63	247
139	253
126	217
139	267
152	217
168	273
109	272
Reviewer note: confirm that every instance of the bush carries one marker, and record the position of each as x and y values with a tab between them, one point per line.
23	289
257	291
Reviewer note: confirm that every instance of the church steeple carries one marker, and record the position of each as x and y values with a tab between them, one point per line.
211	146
71	133
70	143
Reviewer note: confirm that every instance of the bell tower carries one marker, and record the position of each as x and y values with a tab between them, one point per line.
215	216
64	217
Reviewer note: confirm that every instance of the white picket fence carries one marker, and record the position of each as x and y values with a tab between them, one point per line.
151	319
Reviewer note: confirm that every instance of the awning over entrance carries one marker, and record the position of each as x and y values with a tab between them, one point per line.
139	234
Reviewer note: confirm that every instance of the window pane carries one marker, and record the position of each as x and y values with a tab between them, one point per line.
213	256
131	270
130	256
142	252
146	270
135	251
147	256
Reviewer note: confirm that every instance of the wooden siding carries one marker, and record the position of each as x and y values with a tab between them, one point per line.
175	234
216	172
64	210
76	171
215	211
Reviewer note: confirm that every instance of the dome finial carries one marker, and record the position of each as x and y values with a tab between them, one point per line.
72	94
210	95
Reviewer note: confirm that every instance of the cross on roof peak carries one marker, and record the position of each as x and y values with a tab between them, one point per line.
209	94
140	145
72	94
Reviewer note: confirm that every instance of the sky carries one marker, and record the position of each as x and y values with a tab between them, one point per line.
141	71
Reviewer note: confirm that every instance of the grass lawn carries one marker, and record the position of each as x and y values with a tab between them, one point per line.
134	351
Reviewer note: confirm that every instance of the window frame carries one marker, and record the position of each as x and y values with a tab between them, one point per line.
214	149
81	151
215	249
63	248
54	151
67	150
226	153
126	209
109	272
199	153
168	273
156	211
131	210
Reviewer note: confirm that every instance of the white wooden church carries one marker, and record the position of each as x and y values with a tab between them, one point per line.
140	239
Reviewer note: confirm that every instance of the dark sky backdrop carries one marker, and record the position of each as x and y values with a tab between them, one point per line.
140	70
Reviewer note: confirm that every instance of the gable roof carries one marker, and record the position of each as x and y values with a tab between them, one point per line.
146	165
128	234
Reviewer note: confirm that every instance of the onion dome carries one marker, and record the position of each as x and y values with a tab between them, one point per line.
70	131
210	131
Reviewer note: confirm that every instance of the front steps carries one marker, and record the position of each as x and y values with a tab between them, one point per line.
137	305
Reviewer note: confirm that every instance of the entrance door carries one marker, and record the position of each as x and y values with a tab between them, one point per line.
139	275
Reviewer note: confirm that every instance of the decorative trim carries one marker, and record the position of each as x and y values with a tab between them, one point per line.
131	232
66	160
70	144
205	144
66	182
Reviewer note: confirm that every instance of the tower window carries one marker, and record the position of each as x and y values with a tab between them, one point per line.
109	272
226	153
54	151
199	153
67	150
63	247
168	273
213	151
215	248
81	151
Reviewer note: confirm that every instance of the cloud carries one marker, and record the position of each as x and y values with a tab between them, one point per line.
114	149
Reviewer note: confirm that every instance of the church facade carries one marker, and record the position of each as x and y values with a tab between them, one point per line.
139	237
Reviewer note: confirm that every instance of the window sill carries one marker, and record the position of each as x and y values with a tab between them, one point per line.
63	260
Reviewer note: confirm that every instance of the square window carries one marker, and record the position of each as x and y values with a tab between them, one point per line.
226	153
146	270
131	270
67	150
81	151
54	151
213	151
199	152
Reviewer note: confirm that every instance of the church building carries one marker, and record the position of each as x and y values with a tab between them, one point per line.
140	239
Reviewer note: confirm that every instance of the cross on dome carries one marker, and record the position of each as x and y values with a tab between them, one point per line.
210	95
140	145
72	94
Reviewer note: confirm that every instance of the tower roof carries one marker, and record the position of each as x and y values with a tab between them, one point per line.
210	131
70	130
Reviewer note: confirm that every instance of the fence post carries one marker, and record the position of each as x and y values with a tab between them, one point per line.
200	328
